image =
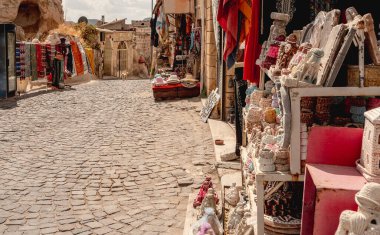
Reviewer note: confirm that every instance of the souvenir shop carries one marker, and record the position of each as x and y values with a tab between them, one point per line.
177	42
310	124
59	59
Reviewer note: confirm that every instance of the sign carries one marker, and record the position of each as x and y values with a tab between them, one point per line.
212	100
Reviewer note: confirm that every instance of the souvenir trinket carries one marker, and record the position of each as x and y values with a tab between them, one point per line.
366	221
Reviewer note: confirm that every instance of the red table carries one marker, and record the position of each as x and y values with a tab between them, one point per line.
173	91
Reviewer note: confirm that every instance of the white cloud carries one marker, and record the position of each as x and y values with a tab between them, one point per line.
112	9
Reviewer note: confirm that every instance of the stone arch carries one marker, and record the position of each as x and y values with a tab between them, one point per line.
122	59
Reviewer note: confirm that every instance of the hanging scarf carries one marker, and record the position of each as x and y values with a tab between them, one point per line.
252	48
84	57
245	8
79	66
33	52
162	26
228	14
27	60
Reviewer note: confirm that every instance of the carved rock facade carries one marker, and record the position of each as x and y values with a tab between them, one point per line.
34	16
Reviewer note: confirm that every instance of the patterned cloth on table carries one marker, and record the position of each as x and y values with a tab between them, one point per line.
79	66
91	60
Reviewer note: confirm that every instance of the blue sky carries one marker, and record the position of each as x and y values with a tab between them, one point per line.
112	9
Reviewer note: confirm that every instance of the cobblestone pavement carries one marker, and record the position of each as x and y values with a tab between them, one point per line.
102	158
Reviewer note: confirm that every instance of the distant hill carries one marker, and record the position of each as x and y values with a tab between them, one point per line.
93	21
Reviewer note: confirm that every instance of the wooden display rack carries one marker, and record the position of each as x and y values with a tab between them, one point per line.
295	174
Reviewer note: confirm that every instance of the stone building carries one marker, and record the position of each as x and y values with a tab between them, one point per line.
118	25
142	36
118	51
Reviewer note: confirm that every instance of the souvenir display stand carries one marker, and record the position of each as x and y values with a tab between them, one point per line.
299	94
177	40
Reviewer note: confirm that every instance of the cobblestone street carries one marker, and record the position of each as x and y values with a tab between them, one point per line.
102	158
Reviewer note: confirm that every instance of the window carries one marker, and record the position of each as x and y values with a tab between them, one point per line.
102	36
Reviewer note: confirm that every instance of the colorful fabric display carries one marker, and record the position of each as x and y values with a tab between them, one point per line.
84	58
252	47
79	66
28	72
91	59
33	65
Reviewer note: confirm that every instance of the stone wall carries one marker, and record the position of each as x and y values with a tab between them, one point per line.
34	16
210	51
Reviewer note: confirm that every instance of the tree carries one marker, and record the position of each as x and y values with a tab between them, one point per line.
83	19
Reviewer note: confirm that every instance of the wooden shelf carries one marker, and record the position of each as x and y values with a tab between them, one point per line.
296	95
260	178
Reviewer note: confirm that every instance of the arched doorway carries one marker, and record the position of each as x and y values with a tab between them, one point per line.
122	58
107	66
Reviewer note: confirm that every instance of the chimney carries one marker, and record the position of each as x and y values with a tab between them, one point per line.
103	19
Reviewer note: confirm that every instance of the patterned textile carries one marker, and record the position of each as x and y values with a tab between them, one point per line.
228	14
91	60
20	61
84	58
50	54
33	63
79	66
41	61
252	46
196	42
27	60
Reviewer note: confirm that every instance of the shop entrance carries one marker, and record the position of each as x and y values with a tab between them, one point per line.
122	59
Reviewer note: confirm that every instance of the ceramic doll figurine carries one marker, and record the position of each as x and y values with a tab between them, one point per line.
331	20
206	185
371	39
244	228
209	202
273	50
367	220
266	161
286	52
232	195
280	20
210	218
235	216
316	33
278	28
206	229
297	58
308	70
